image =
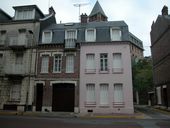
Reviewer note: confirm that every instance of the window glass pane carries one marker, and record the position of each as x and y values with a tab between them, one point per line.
158	90
57	63
90	61
103	62
104	94
70	63
90	35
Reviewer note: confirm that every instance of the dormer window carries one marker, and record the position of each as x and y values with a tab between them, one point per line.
116	34
47	37
90	35
24	14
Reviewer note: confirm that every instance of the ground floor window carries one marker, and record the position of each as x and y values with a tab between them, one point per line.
104	94
118	94
15	92
158	92
90	94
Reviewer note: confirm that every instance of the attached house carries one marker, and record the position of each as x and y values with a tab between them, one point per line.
160	48
18	38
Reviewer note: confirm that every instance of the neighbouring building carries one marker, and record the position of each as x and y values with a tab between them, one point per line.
18	39
160	48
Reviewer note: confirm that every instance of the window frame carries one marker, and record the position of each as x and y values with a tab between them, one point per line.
92	101
94	36
45	55
111	34
59	63
50	38
115	67
104	67
68	66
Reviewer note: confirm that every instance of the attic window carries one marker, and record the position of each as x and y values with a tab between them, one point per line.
69	24
115	34
47	37
24	14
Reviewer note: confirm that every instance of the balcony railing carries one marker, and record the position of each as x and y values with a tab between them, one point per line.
18	41
15	69
70	43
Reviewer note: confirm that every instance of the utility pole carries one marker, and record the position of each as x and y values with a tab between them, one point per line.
79	6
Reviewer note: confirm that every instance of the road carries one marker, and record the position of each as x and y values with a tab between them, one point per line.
154	119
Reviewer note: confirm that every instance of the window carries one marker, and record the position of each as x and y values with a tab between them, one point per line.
158	91
70	34
15	92
47	37
115	34
90	63
24	14
104	94
90	35
69	63
90	94
70	38
103	62
117	63
22	38
19	58
57	63
44	64
118	94
2	37
1	58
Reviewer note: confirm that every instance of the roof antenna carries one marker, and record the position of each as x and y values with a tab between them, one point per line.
79	6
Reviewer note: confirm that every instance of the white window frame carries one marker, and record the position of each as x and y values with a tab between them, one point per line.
94	36
104	94
117	64
104	63
66	34
25	14
70	63
50	38
111	34
42	65
59	61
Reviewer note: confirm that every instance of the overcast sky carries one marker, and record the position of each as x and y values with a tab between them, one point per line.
138	14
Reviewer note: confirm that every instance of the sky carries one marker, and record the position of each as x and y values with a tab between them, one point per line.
138	14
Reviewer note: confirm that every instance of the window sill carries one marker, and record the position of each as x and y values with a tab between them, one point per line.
104	106
90	104
104	72
90	71
44	72
118	104
117	70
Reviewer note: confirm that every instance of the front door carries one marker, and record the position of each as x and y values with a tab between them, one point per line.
39	97
63	97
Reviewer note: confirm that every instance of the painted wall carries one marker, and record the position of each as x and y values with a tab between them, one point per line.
125	78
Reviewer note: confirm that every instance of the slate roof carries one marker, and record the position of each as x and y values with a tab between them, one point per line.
97	9
4	16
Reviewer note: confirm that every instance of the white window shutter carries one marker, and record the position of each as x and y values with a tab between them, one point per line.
118	93
90	93
104	94
69	63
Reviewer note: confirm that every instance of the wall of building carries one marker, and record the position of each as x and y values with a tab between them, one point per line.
110	78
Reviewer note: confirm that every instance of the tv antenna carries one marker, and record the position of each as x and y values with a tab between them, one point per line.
79	6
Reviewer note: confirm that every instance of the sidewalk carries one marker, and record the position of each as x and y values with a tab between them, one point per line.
136	115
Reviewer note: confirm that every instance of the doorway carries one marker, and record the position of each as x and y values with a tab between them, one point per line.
39	97
63	97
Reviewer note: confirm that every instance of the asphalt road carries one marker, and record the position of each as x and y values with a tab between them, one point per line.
154	119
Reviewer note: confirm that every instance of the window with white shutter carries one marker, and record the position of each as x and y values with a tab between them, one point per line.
15	92
90	35
104	94
70	63
117	63
47	37
90	63
115	34
158	91
44	64
57	63
118	94
90	94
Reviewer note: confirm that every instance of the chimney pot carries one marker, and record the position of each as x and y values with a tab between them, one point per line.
165	10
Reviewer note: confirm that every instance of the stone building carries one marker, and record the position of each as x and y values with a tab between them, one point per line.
18	39
160	48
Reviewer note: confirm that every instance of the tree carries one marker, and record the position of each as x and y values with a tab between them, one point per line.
142	79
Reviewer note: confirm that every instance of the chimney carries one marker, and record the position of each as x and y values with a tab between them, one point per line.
51	10
84	18
165	11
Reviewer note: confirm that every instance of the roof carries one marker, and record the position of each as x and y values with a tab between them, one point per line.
97	9
5	14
